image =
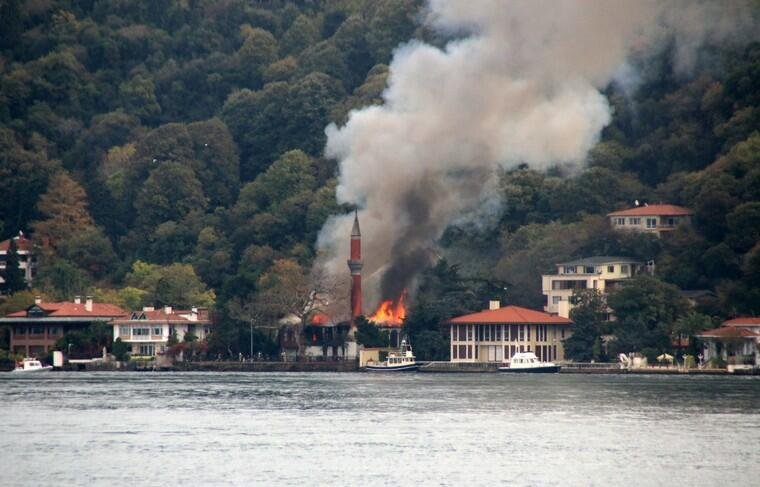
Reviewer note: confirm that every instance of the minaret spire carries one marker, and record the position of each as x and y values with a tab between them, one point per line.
355	264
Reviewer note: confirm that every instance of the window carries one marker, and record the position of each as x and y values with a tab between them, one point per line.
569	269
624	269
498	332
157	331
589	269
634	221
469	332
124	331
38	330
521	332
610	268
619	221
141	331
651	222
54	330
671	221
147	349
562	332
19	330
206	330
462	351
454	351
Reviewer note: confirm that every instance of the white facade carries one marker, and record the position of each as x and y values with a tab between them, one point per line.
599	273
148	332
25	257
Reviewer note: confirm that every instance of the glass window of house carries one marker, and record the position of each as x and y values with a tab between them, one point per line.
651	222
19	330
589	269
624	268
556	299
610	268
38	330
124	331
156	331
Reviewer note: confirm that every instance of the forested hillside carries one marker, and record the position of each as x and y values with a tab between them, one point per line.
171	152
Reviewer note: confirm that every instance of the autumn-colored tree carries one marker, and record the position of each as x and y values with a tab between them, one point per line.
64	211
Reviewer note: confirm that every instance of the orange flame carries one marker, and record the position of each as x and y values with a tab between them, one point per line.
390	312
320	319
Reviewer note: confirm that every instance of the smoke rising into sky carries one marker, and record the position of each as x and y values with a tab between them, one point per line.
519	84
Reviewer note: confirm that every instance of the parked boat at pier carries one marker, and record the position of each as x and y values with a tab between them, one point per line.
401	361
527	362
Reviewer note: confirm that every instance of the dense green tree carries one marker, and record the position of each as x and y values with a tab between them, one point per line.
646	310
172	285
588	315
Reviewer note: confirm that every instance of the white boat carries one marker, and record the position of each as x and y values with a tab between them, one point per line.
401	361
527	362
32	365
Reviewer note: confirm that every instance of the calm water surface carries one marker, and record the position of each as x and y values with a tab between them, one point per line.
368	430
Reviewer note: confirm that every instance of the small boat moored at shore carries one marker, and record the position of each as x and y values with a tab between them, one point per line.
527	362
401	361
32	365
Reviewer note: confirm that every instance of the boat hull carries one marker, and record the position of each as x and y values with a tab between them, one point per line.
549	369
400	368
31	371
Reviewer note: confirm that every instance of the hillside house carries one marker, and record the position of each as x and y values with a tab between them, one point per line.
601	273
26	260
657	219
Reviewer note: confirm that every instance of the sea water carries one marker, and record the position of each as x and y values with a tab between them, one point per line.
364	429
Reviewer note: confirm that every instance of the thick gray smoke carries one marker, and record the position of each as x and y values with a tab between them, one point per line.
520	84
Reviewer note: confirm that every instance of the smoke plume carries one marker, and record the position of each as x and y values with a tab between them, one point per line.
518	83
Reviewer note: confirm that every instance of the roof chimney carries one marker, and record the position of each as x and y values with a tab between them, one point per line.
148	308
88	303
38	300
168	310
77	299
494	304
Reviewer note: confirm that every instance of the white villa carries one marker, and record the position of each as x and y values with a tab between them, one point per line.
735	339
658	219
600	273
148	331
496	334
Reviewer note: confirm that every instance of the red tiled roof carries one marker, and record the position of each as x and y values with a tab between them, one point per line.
22	243
70	310
743	321
512	315
175	315
728	332
654	210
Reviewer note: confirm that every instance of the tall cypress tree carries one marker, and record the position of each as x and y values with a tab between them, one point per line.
12	274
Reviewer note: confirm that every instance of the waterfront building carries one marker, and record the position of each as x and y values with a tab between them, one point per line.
26	260
657	219
35	330
736	340
499	332
147	331
325	339
602	273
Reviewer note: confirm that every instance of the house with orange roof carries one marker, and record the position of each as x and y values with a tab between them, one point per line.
35	330
496	334
147	331
736	341
25	251
658	219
